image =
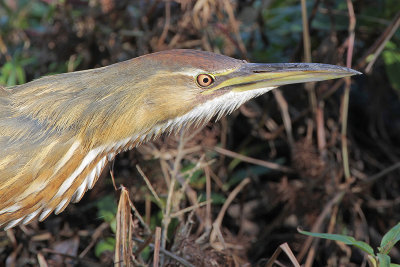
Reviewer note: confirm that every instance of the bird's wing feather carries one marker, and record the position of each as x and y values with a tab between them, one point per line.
51	135
26	179
35	161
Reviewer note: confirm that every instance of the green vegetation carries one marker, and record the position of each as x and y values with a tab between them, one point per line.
379	259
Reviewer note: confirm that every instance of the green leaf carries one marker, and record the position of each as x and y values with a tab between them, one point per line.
391	57
104	245
348	240
384	260
5	72
216	198
390	239
107	209
156	219
146	253
20	74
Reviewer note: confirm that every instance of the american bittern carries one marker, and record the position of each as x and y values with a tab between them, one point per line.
58	132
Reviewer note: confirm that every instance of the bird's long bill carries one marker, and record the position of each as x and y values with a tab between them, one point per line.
253	75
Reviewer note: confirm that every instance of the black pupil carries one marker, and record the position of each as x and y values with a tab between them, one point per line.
205	80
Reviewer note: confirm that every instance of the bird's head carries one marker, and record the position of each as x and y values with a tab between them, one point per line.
151	94
185	86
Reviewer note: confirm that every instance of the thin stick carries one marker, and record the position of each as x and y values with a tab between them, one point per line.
216	232
306	32
217	223
321	137
235	27
318	223
208	197
166	25
157	242
95	236
41	260
373	50
89	262
266	164
284	247
112	175
390	31
167	253
346	96
382	173
137	215
147	215
167	213
149	185
143	245
284	107
193	207
195	132
310	87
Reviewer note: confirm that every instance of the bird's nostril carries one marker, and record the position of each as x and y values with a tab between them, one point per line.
261	71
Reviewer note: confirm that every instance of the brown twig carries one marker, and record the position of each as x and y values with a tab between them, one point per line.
310	87
153	192
306	31
166	25
287	122
75	257
208	197
147	204
143	244
266	164
283	247
171	190
382	173
138	216
346	96
112	176
235	26
381	42
317	228
157	241
320	124
188	209
169	254
42	260
95	236
218	221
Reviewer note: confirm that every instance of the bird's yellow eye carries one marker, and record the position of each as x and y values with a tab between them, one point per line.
204	80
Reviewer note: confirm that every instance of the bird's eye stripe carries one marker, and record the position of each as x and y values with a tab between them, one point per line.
204	80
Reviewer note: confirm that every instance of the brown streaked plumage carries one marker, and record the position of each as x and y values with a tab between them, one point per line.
57	132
